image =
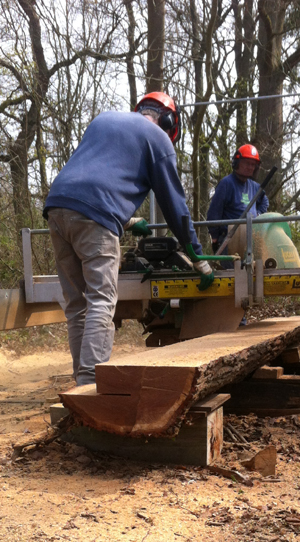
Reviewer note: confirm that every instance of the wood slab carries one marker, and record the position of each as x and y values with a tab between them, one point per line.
150	393
16	313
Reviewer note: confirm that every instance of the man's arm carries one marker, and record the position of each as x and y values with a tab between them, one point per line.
262	204
216	208
171	199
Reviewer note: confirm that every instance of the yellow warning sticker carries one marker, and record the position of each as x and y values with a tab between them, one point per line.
282	285
289	256
187	288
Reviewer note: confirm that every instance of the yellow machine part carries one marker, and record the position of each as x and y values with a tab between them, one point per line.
221	287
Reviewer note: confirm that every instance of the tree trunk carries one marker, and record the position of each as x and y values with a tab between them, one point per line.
269	130
130	56
200	111
155	59
156	43
243	47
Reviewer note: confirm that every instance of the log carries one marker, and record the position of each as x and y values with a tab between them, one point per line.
150	394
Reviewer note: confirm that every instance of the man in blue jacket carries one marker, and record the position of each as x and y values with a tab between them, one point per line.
121	157
234	193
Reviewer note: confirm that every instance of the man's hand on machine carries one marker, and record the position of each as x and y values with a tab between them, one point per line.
138	226
206	272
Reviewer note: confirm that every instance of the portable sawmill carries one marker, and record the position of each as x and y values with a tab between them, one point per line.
159	287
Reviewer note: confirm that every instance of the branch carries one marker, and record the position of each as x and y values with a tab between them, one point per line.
86	52
36	41
9	102
291	61
291	201
15	72
5	158
266	19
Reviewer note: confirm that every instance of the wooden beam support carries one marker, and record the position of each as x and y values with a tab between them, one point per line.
267	372
199	441
279	397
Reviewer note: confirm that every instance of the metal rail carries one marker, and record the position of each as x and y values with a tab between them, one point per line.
257	220
47	288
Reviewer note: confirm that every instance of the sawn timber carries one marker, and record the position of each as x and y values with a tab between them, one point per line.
151	393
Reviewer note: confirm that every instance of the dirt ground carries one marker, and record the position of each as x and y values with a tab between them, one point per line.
64	492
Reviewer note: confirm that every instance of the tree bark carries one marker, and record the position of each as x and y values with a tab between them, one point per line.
243	48
130	55
156	43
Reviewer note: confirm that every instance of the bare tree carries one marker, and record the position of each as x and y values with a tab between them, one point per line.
31	95
275	63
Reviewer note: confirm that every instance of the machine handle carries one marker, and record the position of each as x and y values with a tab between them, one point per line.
267	179
189	247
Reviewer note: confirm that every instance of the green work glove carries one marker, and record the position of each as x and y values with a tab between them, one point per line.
138	226
206	273
205	282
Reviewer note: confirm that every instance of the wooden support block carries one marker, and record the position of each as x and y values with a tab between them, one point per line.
57	412
211	403
279	397
268	372
290	355
199	442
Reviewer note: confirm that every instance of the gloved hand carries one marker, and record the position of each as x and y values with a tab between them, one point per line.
206	273
138	226
216	243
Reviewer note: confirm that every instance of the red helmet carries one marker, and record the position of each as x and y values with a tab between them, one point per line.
169	118
245	151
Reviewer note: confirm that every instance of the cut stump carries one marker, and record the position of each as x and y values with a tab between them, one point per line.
151	393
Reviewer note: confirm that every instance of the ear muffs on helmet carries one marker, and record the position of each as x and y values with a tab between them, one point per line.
169	113
171	121
235	159
166	121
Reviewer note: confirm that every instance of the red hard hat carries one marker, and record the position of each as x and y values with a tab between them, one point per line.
247	151
166	121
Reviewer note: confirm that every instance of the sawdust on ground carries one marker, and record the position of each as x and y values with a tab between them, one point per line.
65	492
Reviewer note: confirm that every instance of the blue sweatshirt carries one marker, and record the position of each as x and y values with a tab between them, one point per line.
230	200
119	159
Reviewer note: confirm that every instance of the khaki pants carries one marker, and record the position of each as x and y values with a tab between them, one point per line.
87	258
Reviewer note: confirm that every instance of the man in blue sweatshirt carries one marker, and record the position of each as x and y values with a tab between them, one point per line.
234	193
121	157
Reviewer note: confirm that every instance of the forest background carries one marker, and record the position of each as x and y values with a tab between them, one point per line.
62	62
